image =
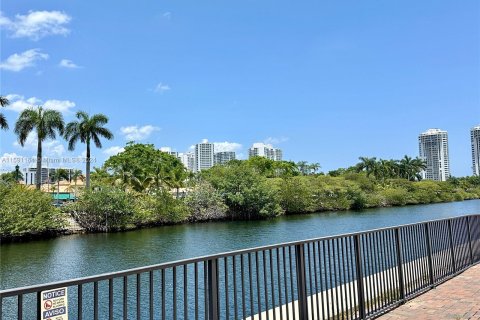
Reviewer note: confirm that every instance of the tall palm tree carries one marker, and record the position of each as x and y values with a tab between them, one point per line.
46	123
3	121
76	174
86	130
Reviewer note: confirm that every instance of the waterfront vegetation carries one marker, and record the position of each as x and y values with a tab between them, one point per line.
143	186
27	212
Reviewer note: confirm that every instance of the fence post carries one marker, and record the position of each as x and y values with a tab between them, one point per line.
212	289
450	236
301	282
470	249
429	252
39	306
401	285
359	272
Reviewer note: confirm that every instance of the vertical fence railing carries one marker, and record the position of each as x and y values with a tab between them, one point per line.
353	276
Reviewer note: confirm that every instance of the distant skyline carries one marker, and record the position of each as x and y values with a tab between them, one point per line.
325	82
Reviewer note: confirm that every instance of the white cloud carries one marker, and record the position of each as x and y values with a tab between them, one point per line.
65	63
51	148
137	133
167	15
36	24
161	88
59	105
8	161
272	140
113	150
227	146
19	61
18	103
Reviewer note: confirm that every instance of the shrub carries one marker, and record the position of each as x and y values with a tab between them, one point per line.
205	203
395	196
108	208
295	194
246	193
159	208
358	198
25	211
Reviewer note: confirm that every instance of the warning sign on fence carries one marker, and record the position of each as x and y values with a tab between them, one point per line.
54	304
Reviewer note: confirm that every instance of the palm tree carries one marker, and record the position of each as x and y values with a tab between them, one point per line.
46	123
3	121
368	164
76	174
410	168
87	129
303	167
176	178
315	167
125	177
59	175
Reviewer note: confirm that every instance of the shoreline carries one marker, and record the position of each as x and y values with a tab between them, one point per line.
51	234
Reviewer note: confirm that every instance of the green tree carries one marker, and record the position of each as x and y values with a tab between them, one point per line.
303	167
246	193
24	211
108	208
176	178
11	177
87	129
369	165
205	203
75	176
100	176
143	162
3	120
46	123
261	165
410	168
314	167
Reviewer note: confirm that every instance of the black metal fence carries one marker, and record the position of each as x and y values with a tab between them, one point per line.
353	276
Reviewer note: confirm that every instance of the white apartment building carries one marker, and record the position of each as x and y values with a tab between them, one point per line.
260	149
169	151
223	157
188	160
204	152
475	138
30	174
433	148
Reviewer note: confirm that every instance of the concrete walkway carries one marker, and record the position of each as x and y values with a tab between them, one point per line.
458	298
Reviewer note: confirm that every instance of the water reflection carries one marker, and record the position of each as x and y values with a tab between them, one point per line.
82	255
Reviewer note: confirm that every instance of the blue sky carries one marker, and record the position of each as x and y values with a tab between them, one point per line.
326	81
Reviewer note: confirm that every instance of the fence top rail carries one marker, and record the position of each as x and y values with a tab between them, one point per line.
118	274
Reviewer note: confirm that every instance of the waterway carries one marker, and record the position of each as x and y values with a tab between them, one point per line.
74	256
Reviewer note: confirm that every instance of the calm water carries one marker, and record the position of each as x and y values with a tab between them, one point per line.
83	255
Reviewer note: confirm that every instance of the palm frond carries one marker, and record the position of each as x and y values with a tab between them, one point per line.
4	101
3	122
